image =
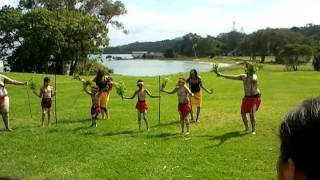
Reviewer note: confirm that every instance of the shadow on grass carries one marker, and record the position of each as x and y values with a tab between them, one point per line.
164	136
9	178
120	133
166	124
63	121
225	137
82	128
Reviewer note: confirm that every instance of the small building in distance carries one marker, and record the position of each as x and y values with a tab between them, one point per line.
139	54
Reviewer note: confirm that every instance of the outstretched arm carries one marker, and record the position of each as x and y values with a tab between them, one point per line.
170	92
210	91
189	91
86	90
232	77
133	96
149	94
15	82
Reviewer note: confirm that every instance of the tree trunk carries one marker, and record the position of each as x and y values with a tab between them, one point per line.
73	66
263	58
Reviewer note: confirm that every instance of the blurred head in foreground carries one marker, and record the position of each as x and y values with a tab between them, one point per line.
299	137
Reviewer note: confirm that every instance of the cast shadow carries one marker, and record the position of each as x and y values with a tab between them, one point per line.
120	133
63	121
225	137
164	136
166	124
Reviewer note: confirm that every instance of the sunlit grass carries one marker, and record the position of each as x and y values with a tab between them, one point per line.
216	149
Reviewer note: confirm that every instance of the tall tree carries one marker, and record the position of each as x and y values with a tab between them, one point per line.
104	10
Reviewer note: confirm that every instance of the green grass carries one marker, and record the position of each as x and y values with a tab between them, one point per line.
216	148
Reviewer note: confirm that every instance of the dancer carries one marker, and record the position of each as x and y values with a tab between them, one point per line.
46	93
195	85
95	108
251	101
184	106
105	86
141	105
4	99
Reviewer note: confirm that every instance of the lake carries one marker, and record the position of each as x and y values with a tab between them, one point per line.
139	67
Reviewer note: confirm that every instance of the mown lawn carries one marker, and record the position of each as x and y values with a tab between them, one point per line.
216	148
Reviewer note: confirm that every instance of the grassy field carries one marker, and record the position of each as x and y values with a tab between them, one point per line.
216	148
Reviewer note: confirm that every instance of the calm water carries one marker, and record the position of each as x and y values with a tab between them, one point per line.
155	67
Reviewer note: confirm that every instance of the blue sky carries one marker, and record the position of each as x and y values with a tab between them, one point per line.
151	20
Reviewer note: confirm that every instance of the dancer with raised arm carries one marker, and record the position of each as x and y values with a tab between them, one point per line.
184	106
141	105
4	98
251	100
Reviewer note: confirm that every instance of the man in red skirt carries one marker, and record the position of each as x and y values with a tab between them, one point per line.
251	101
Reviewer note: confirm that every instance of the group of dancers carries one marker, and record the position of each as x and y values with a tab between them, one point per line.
189	92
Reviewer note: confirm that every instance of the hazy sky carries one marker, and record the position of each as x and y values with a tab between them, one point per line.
150	20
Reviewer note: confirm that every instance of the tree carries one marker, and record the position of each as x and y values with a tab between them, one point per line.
208	46
49	41
189	45
104	10
231	41
269	42
169	53
9	18
293	55
316	58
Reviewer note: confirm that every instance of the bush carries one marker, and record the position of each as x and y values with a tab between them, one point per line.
90	67
316	58
169	53
293	55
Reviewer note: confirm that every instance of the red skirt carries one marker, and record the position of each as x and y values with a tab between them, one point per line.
184	109
46	103
95	111
141	106
2	101
248	103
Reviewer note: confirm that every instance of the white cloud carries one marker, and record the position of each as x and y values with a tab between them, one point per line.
145	25
8	2
152	25
287	13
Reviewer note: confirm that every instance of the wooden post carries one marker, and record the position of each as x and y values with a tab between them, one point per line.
159	102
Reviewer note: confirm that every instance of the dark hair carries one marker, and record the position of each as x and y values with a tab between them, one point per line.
99	76
195	73
46	79
140	80
299	135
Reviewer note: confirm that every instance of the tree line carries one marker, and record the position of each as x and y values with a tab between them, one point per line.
290	46
47	36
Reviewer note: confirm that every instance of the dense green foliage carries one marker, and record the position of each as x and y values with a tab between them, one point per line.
294	55
216	148
55	36
316	58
